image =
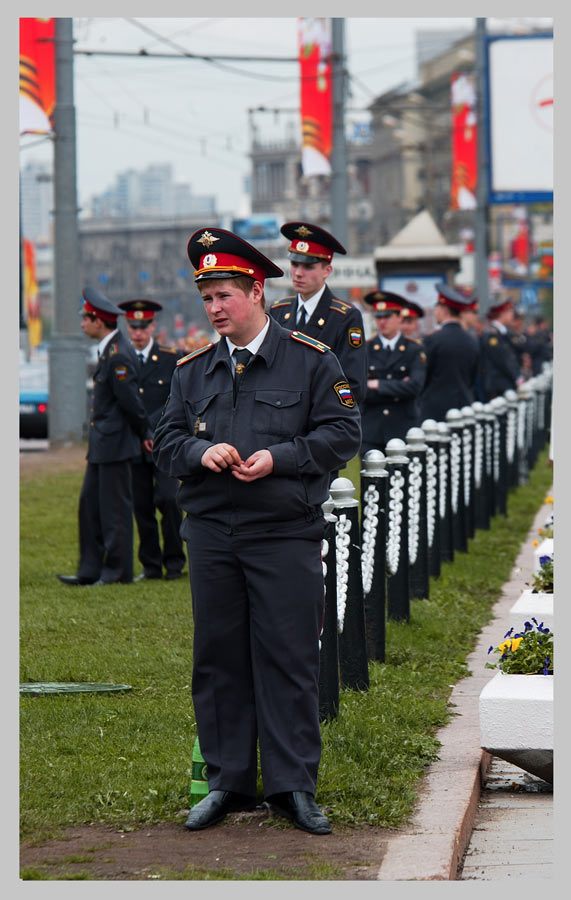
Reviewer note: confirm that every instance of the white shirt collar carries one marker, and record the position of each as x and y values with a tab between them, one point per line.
253	346
104	341
500	326
392	343
146	350
310	305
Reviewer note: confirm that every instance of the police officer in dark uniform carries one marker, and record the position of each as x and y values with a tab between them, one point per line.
153	489
397	369
452	358
253	426
117	428
499	362
411	314
314	309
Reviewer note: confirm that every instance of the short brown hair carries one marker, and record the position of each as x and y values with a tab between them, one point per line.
242	282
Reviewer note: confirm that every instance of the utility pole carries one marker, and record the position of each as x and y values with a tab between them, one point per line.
67	356
339	191
481	216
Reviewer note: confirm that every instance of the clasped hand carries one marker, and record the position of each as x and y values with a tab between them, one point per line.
224	456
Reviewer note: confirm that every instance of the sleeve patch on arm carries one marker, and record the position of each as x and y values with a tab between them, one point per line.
355	336
344	393
121	373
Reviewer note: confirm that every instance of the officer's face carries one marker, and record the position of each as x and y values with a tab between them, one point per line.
388	326
140	337
232	313
308	278
408	327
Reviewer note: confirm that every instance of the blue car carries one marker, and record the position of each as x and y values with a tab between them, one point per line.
34	399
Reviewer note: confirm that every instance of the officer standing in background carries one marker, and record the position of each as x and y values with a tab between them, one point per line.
500	367
153	489
118	427
396	369
411	314
254	424
314	310
452	358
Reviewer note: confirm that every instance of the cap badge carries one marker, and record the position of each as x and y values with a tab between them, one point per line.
302	246
138	314
303	231
207	239
209	260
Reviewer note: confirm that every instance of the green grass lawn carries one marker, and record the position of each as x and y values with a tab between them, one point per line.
126	758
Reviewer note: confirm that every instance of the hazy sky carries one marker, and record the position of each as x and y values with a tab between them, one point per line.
132	112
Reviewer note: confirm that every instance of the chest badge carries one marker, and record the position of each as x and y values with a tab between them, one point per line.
287	315
401	347
321	322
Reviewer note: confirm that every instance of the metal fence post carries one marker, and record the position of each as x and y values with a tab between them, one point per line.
468	431
460	536
432	438
417	526
481	502
398	596
511	437
500	409
445	495
329	641
374	489
353	663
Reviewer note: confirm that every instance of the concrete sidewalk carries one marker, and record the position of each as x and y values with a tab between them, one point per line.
432	847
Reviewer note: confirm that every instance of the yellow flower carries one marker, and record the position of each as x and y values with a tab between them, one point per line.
540	531
511	644
536	543
549	499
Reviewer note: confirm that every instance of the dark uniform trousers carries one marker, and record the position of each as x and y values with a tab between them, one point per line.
118	424
340	326
392	408
499	363
254	550
153	489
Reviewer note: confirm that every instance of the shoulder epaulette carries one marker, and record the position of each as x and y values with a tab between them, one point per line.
194	353
166	349
340	306
311	342
287	301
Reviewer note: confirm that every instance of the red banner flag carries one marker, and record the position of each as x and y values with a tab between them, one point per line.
37	75
464	142
314	38
31	297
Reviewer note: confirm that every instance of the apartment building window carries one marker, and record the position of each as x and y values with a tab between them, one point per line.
270	180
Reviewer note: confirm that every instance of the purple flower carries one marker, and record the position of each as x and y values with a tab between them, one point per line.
491	648
546	665
510	632
544	559
528	626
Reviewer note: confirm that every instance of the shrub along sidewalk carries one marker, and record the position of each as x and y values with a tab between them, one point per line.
126	758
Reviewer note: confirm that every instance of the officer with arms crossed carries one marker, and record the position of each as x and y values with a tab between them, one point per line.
153	489
314	310
253	426
397	368
118	427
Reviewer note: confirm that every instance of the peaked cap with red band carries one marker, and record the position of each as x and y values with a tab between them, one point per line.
216	253
453	299
384	303
97	303
140	313
310	243
412	310
498	308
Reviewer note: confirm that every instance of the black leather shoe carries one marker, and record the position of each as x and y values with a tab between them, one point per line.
170	576
100	581
144	577
301	808
215	806
75	579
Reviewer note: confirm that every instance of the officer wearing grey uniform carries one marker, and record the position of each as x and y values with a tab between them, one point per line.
117	427
253	426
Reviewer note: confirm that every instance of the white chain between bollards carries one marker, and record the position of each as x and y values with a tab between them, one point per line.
443	460
370	528
496	451
342	541
511	434
478	454
430	493
455	469
414	488
467	450
396	496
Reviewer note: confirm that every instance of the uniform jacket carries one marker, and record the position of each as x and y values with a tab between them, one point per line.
293	400
155	379
118	421
340	326
392	408
452	359
499	363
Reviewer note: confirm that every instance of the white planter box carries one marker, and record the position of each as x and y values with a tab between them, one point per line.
538	606
543	549
516	721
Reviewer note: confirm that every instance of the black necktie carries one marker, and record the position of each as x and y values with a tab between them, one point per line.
141	358
242	358
302	317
